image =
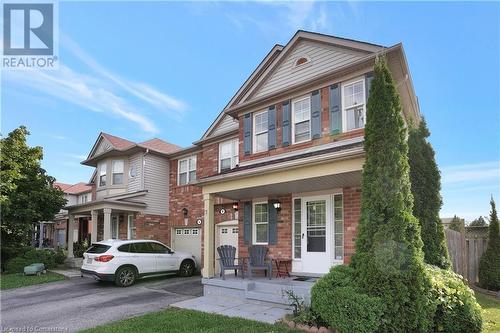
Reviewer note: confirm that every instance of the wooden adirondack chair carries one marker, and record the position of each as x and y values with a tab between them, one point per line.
257	260
227	260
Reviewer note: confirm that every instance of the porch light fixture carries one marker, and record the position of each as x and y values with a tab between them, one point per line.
277	205
185	212
235	206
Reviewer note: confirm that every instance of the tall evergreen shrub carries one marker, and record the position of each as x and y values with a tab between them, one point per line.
425	186
489	265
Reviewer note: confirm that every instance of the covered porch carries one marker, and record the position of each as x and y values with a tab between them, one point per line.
109	219
303	212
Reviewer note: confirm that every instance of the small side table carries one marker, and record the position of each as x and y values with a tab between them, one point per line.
282	267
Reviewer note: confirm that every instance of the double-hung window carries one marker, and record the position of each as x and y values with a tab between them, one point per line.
102	174
301	117
117	172
228	154
261	223
187	170
354	104
260	127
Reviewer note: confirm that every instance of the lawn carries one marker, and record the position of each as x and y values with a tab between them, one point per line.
491	313
10	281
175	320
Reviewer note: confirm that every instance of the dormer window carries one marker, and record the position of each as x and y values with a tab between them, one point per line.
301	61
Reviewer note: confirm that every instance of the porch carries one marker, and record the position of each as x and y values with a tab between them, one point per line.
109	219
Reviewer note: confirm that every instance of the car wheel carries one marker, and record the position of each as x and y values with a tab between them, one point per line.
125	276
187	268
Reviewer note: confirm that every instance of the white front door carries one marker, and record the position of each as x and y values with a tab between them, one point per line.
316	231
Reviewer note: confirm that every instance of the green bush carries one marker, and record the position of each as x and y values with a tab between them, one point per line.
337	300
31	256
457	310
60	256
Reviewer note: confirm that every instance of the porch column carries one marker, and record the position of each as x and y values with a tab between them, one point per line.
40	234
93	236
107	223
71	231
208	237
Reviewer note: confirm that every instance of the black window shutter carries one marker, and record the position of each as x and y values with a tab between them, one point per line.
368	84
247	133
316	114
272	225
271	131
247	222
335	109
286	128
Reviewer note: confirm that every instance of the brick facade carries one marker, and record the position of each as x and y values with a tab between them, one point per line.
352	212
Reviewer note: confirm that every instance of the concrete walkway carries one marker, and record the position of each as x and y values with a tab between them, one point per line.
67	272
237	307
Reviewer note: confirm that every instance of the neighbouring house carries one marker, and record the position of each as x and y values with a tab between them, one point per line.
53	234
446	221
280	166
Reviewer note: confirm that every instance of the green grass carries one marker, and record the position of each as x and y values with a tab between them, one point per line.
491	312
18	280
176	321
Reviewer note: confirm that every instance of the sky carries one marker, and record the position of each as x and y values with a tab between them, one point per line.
166	70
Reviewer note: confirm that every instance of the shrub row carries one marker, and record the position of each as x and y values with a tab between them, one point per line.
30	256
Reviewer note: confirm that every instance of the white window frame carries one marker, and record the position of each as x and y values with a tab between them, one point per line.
195	232
234	152
254	134
113	173
344	108
102	166
130	226
300	99
254	224
293	229
188	170
178	231
115	227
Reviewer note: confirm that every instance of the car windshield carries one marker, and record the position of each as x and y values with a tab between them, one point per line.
98	248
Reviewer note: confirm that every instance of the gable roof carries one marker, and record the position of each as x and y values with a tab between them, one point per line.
263	73
160	146
61	186
118	142
73	189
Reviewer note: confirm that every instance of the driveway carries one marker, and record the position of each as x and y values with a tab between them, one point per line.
80	303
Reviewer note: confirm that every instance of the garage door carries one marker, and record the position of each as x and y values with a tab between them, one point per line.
188	240
227	234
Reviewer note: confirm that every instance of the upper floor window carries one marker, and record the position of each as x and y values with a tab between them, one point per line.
301	117
118	172
187	170
84	198
228	154
260	128
353	104
102	174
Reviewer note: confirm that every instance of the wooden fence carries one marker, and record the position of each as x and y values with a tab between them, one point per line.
465	253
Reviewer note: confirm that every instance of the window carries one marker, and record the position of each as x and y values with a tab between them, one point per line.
297	228
301	61
102	174
261	220
117	172
195	232
301	117
187	231
130	227
228	154
125	248
98	248
114	227
223	231
353	104
141	248
178	231
235	230
187	170
159	248
260	128
338	229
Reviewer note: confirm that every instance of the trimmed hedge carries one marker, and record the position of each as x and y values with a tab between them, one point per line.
457	310
31	256
336	298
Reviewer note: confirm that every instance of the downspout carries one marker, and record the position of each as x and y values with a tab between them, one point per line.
143	173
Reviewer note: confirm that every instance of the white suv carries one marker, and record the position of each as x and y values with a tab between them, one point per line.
124	261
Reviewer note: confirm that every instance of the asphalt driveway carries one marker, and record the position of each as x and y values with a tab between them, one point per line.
80	303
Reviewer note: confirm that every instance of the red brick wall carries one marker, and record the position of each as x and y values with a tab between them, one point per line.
352	211
325	125
151	227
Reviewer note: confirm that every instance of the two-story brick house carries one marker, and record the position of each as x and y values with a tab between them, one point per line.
280	166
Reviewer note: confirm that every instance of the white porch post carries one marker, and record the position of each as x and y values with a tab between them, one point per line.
40	234
107	223
208	237
93	233
71	230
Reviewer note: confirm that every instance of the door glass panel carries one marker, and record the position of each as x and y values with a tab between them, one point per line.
338	226
316	226
297	228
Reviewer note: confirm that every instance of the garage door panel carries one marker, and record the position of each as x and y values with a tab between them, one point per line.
188	240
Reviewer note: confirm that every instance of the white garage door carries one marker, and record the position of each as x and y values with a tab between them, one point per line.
188	240
227	234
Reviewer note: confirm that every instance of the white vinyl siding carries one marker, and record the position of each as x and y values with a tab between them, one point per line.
135	168
228	154
227	124
301	119
260	223
353	104
156	182
260	128
187	170
117	167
